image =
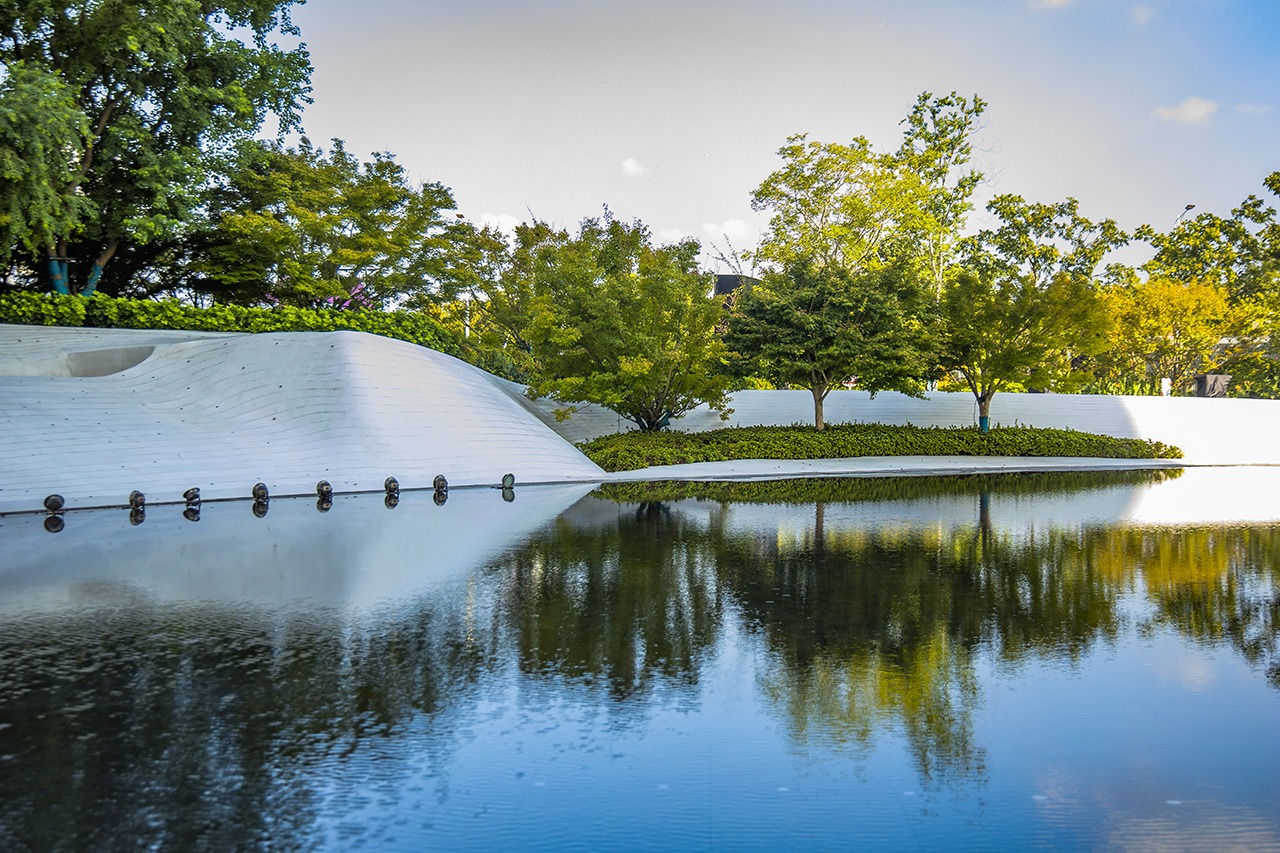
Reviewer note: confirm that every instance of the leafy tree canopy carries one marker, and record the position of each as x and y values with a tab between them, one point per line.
815	329
616	321
164	88
1018	333
851	207
306	228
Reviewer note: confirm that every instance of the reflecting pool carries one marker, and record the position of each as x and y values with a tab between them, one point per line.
1059	661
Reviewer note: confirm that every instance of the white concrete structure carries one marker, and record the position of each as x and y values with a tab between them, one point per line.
1209	431
94	414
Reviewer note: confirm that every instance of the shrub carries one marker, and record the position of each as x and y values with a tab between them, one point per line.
631	450
102	311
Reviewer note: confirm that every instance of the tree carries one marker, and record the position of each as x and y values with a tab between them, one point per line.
1018	333
621	323
164	89
817	328
301	226
1162	329
851	207
1040	241
40	131
1240	253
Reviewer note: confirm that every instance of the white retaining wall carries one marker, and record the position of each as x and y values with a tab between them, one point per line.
1209	431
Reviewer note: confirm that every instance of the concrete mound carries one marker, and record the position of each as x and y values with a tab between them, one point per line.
95	415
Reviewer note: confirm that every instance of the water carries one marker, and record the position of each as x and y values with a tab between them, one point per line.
1059	662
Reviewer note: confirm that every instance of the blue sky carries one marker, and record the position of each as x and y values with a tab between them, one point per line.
672	112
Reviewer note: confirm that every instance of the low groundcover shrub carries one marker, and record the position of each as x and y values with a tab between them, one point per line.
631	450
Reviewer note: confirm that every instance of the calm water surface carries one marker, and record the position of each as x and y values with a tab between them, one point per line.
1057	662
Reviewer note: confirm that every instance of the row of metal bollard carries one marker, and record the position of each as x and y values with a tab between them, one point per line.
55	505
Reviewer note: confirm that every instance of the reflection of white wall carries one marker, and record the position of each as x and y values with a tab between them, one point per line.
357	554
1198	496
1209	431
223	412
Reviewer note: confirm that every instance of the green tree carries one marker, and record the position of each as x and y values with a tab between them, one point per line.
621	323
309	228
815	329
1016	333
855	208
40	131
1040	241
164	89
1164	328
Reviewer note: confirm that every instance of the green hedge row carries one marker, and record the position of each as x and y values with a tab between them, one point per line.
879	489
99	310
631	450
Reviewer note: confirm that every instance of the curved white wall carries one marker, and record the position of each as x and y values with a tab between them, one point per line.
222	412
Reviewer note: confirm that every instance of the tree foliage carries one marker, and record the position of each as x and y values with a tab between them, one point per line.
616	321
1016	333
1040	241
1164	328
302	227
816	328
851	207
164	89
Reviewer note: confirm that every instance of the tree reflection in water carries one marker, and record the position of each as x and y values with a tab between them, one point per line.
194	726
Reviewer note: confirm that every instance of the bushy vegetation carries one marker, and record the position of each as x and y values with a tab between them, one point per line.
632	450
99	310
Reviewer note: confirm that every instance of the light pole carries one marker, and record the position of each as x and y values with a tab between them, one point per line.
1184	212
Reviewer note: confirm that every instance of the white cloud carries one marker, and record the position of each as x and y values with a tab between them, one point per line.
1193	110
1142	14
667	236
1254	109
504	222
741	234
631	168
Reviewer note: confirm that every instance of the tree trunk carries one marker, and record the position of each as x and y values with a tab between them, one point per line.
819	393
984	411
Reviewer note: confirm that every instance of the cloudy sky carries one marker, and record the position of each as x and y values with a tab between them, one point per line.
672	111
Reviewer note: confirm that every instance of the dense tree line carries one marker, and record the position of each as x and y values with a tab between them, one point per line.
132	163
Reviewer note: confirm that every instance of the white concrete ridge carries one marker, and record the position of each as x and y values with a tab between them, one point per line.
224	411
1209	431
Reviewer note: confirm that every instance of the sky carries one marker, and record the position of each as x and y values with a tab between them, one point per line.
672	111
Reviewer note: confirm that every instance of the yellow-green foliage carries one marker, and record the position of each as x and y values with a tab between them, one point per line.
631	450
99	310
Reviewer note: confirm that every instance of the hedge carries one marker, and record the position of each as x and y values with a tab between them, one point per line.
631	450
101	311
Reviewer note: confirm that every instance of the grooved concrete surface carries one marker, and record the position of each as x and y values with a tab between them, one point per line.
1209	431
224	411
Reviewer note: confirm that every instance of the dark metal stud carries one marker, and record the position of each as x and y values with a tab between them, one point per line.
392	485
508	481
55	523
192	512
440	497
192	495
137	500
259	509
440	484
324	491
508	495
391	501
260	492
137	516
54	503
324	504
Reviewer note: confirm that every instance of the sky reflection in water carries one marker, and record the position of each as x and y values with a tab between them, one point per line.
977	662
